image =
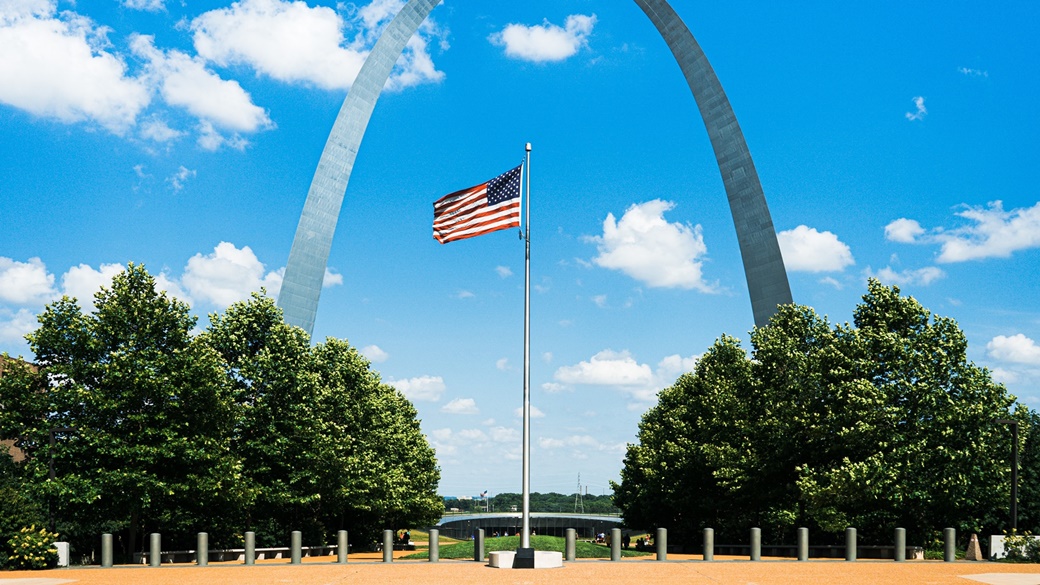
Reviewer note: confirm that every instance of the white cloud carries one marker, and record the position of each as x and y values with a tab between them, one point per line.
990	232
83	281
464	294
374	354
461	406
25	283
505	435
503	271
973	72
904	231
1017	349
600	301
295	43
675	365
185	82
580	443
14	326
146	5
178	178
502	364
535	412
59	67
920	112
545	42
646	247
547	357
227	275
554	387
923	276
606	368
423	388
158	131
807	250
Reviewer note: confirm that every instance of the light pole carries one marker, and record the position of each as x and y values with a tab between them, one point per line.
1014	469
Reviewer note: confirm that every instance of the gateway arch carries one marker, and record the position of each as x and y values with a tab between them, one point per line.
759	250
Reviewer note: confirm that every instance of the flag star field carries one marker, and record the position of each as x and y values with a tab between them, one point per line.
893	140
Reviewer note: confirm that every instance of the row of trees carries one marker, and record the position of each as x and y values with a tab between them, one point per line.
877	425
132	424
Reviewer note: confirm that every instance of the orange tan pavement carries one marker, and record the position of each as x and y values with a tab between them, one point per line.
679	569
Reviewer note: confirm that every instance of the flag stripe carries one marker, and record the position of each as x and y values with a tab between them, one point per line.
467	213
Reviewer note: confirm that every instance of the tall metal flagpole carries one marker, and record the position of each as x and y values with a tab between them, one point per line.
525	535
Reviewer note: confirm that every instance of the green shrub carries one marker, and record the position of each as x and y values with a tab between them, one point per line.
1021	548
33	549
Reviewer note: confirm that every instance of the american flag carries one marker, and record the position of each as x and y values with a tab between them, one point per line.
479	210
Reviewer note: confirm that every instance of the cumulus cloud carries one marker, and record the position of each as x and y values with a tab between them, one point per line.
25	283
295	43
60	67
904	231
922	276
989	232
646	247
503	271
227	275
579	442
422	388
1017	349
502	364
973	72
83	281
185	82
920	111
621	371
146	5
158	131
535	412
15	325
178	178
374	354
547	41
807	250
461	406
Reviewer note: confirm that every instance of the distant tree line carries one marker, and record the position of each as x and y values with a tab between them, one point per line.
540	502
134	424
880	424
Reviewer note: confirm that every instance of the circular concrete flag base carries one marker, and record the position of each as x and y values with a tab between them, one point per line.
503	559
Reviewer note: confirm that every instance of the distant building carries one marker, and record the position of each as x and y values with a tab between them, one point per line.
16	454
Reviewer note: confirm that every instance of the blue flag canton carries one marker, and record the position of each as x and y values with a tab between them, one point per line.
505	186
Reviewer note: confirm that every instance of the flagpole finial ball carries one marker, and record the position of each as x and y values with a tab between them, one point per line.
528	147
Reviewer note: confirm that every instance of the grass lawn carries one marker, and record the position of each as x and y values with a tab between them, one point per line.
583	550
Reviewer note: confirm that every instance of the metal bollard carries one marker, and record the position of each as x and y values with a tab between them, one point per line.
899	552
615	544
850	544
343	547
949	545
661	540
709	544
478	545
202	549
155	549
756	544
803	544
250	548
435	545
106	550
295	542
388	546
570	544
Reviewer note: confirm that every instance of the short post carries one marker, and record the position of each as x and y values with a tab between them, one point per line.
899	554
949	545
343	547
388	546
250	548
709	544
478	545
803	544
155	549
435	545
850	544
295	544
756	544
570	544
661	541
106	550
202	549
615	544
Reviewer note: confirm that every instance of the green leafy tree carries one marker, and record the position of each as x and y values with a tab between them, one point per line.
139	416
879	424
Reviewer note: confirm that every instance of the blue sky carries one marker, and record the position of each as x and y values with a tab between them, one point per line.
895	140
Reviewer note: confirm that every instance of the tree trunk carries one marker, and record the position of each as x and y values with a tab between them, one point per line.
132	544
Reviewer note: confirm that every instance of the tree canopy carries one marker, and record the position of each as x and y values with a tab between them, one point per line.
879	424
132	424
